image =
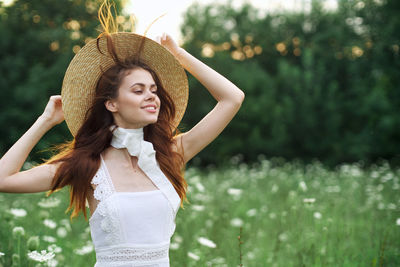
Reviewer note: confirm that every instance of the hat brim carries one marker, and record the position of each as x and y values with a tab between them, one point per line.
83	73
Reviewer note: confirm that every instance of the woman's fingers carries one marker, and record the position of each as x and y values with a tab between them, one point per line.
53	110
168	42
161	39
158	39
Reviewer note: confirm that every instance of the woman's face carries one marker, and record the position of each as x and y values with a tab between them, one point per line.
137	104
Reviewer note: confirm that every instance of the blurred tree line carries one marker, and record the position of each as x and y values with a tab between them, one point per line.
319	85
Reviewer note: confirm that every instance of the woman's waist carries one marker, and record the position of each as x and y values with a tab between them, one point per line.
133	253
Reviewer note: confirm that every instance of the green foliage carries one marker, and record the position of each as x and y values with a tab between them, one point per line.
325	86
290	214
319	85
38	39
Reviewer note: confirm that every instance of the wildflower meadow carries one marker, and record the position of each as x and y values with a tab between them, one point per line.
272	213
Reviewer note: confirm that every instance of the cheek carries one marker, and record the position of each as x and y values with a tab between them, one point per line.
130	100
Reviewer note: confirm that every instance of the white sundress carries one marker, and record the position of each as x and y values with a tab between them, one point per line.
132	228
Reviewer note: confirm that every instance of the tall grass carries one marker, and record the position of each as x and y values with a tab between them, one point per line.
272	213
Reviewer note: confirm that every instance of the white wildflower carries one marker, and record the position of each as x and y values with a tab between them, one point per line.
49	202
303	186
219	261
317	215
195	178
309	200
193	256
387	177
198	207
61	232
236	222
200	187
359	5
49	239
174	246
177	238
234	191
206	242
283	237
52	263
2	254
54	248
18	212
18	231
66	224
374	174
50	223
274	188
43	256
251	255
398	221
202	197
86	249
251	212
355	171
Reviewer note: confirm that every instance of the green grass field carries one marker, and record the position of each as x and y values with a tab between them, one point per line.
286	214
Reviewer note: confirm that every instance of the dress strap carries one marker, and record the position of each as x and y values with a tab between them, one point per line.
106	209
102	180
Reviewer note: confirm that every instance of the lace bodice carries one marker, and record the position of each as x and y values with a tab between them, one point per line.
131	228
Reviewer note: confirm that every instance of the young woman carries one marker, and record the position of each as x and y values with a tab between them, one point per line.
123	96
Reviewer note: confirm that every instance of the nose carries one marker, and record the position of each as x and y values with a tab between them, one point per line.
150	95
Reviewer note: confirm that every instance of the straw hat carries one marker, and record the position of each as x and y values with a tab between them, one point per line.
83	73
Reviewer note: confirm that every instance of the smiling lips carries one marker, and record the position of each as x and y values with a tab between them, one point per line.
150	108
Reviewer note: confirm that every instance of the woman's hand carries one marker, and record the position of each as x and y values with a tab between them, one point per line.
53	112
169	43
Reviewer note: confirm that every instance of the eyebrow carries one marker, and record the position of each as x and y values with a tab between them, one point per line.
142	85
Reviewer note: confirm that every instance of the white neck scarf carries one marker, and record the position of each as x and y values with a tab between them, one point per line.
133	141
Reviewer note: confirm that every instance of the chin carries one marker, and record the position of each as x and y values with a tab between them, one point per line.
153	121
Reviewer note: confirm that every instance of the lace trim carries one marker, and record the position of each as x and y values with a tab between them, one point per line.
133	254
104	187
107	209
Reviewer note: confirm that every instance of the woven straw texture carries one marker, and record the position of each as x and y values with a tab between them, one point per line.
84	71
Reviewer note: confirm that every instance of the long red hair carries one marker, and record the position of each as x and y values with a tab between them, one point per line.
80	158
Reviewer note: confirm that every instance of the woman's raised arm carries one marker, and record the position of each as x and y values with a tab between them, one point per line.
228	95
38	178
